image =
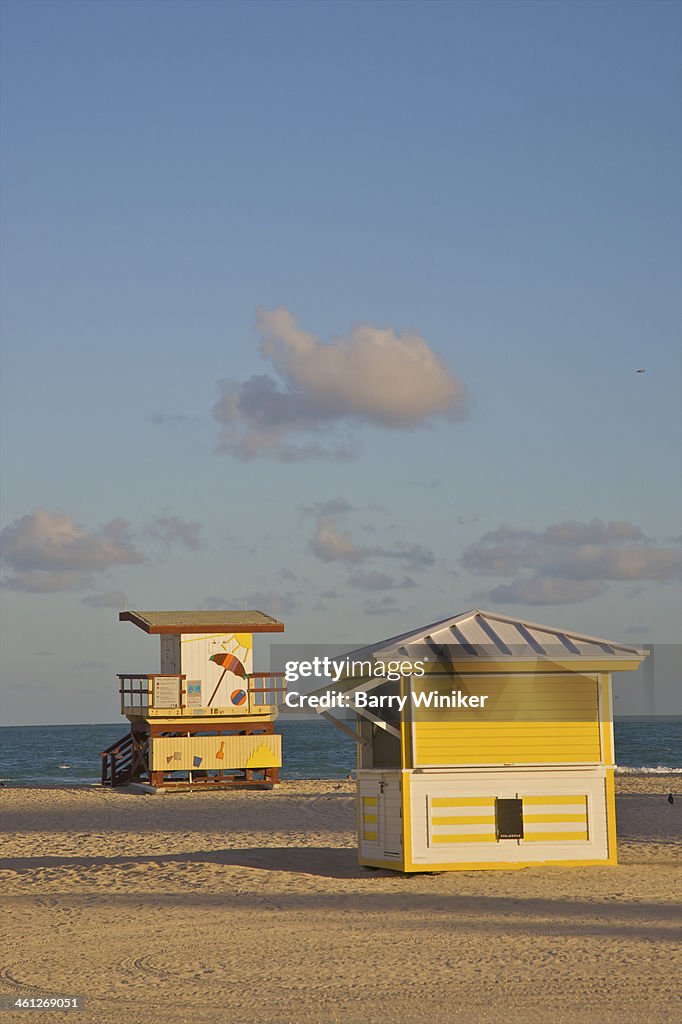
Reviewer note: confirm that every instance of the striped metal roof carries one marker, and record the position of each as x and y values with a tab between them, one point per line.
482	634
479	636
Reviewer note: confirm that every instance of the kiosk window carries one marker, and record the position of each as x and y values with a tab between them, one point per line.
509	817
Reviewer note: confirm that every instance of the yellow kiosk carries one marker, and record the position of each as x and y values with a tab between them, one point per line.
521	774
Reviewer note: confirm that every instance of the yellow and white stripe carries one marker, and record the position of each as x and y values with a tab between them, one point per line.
370	819
461	819
555	819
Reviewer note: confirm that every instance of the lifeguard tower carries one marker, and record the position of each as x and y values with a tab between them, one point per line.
524	777
206	719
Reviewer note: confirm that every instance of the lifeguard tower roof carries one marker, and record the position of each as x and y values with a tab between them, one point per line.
203	622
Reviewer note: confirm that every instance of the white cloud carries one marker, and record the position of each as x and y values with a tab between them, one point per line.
331	543
48	551
176	530
632	562
570	561
370	376
544	590
594	532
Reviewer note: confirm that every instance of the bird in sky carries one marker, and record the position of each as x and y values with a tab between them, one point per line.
640	371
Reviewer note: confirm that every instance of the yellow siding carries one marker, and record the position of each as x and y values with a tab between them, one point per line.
546	819
215	752
528	719
606	718
370	819
529	801
469	819
474	837
463	801
486	865
555	837
563	810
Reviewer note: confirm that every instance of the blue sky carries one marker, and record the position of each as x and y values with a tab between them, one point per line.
468	211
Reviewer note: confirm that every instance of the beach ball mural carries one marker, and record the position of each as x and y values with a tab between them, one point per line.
238	697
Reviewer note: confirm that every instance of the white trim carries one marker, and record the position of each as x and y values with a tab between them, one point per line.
511	765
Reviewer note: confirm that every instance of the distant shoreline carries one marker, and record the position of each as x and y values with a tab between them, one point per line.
627	780
283	717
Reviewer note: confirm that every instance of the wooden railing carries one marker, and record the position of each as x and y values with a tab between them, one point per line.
117	761
144	692
139	689
262	683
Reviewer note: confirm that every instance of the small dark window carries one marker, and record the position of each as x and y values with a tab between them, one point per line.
509	816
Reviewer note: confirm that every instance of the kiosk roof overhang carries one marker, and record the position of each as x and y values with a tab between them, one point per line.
482	635
482	641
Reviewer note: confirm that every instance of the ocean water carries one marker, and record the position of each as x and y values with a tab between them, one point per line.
69	754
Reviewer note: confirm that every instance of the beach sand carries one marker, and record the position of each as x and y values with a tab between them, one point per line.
244	907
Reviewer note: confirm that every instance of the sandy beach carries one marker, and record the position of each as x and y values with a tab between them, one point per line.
249	907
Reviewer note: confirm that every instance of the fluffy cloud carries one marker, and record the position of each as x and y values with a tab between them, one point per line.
175	530
595	532
631	562
544	590
48	551
370	376
331	543
568	562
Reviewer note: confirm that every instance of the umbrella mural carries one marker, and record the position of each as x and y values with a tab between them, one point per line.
229	663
